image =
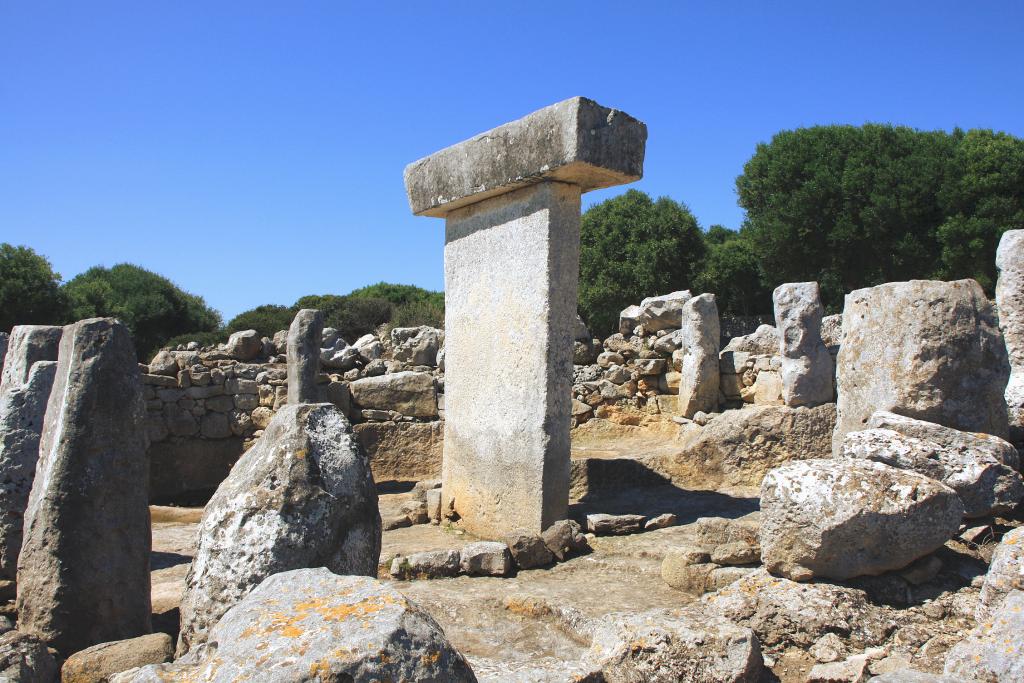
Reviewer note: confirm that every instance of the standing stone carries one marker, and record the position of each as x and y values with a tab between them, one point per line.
24	390
83	574
511	200
806	364
304	337
1010	302
302	496
699	378
925	349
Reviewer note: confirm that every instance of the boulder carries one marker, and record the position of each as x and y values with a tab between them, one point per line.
614	525
485	558
24	658
27	378
430	564
929	350
993	651
164	363
662	312
832	332
302	496
1005	574
764	341
409	393
845	518
1010	302
528	550
985	485
310	624
947	437
629	318
245	345
698	382
304	340
564	539
806	364
416	345
83	573
98	663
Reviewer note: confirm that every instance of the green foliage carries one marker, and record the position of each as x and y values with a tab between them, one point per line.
731	271
266	320
416	313
353	316
632	247
151	306
400	295
30	291
202	338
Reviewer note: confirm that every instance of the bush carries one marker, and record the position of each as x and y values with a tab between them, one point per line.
352	316
400	295
731	272
30	291
266	320
202	338
416	313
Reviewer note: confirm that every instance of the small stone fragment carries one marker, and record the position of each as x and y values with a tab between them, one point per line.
614	525
485	558
528	550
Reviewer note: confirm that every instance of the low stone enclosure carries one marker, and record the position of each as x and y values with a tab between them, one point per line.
823	499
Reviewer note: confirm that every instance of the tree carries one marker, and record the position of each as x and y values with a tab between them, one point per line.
352	316
731	272
266	320
29	289
150	305
632	247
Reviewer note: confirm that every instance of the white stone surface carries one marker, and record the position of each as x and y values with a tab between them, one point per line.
699	380
1010	303
806	363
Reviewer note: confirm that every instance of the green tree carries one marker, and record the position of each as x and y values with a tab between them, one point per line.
731	271
266	319
30	291
150	305
353	316
400	295
632	247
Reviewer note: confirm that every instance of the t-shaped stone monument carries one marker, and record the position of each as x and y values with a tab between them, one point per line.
511	202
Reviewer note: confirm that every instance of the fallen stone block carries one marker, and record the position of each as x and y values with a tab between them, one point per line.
485	558
431	564
409	393
1005	574
25	657
993	650
564	539
98	663
660	522
614	525
528	550
736	553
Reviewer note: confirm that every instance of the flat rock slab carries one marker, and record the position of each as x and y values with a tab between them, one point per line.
614	525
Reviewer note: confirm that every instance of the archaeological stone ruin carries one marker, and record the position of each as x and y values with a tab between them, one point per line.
801	496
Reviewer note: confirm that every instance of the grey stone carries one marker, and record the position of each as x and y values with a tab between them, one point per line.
1010	302
762	341
947	437
607	359
629	318
98	663
926	349
485	558
698	382
993	650
431	564
302	496
323	627
215	426
851	670
4	340
24	658
564	539
576	141
985	485
720	577
416	345
912	676
614	525
806	364
83	574
409	393
661	521
528	550
715	531
416	511
164	363
27	378
736	552
844	518
245	345
663	312
832	332
1005	574
304	337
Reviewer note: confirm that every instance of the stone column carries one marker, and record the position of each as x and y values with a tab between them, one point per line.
511	199
83	574
304	337
24	390
700	337
1010	303
806	363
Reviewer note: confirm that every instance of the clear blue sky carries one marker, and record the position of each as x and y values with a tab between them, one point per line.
253	151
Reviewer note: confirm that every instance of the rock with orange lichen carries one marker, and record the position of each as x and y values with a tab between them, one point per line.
993	652
312	625
302	496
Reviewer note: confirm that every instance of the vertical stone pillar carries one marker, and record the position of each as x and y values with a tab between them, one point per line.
1010	303
304	337
806	363
24	390
511	199
83	573
700	338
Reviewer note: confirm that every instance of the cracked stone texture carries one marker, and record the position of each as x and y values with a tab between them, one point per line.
1010	303
699	378
304	337
806	363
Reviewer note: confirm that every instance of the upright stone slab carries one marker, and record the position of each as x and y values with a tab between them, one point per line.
699	378
24	390
304	337
83	574
924	349
806	364
511	199
1010	303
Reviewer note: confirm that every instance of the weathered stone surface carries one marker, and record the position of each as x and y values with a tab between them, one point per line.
431	564
402	450
528	550
806	364
764	341
663	312
738	447
4	340
485	558
845	518
98	663
83	574
672	645
926	349
24	658
409	393
304	339
698	382
1005	574
680	570
416	345
164	363
335	352
302	496
614	525
832	332
310	624
993	651
27	378
720	577
564	539
736	552
951	439
985	485
576	141
1010	302
912	676
244	345
662	521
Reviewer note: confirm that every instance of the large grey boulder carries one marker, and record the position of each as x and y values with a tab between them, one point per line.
947	437
27	378
699	380
24	658
985	485
416	345
662	312
303	350
993	652
764	341
408	392
806	364
335	353
1010	302
926	349
244	345
844	518
83	573
1005	574
312	625
302	496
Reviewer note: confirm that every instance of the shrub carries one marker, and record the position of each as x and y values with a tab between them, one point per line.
30	291
266	320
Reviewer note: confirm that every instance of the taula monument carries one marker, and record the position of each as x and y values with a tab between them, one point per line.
510	198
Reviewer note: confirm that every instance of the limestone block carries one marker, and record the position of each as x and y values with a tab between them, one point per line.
485	558
993	650
25	657
1005	574
699	377
304	337
762	341
1010	302
528	550
409	393
98	663
806	364
947	437
402	450
662	312
245	345
416	345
